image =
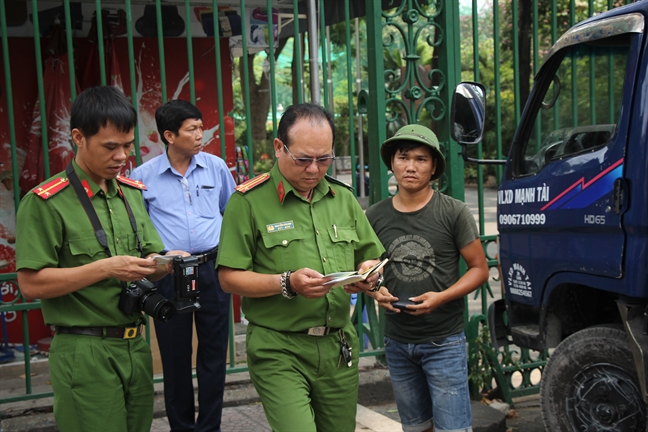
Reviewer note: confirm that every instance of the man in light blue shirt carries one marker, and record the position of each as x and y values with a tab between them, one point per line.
186	197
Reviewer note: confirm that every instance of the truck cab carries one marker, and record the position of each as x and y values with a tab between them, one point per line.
572	215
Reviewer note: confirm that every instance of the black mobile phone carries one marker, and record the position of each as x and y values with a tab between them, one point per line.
402	303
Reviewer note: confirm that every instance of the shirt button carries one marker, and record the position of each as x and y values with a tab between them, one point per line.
116	240
285	242
324	259
317	232
189	212
330	319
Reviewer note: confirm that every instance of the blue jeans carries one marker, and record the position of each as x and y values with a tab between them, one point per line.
430	383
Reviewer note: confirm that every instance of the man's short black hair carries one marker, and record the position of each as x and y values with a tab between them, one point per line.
99	107
171	115
312	112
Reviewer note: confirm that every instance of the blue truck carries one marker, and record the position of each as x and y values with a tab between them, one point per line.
572	214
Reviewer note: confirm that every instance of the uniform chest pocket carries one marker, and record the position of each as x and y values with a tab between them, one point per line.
207	202
344	241
286	247
86	250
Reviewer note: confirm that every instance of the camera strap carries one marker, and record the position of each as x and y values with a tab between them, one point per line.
100	233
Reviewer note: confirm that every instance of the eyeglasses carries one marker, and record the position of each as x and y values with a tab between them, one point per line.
304	162
185	185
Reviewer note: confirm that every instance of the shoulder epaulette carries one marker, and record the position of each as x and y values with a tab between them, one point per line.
52	187
130	182
339	182
252	183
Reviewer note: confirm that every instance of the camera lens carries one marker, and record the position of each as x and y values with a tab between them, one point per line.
158	307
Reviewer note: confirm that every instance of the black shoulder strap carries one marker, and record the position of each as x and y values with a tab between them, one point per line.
89	209
92	214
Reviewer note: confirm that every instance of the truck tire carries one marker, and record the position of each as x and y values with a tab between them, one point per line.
590	384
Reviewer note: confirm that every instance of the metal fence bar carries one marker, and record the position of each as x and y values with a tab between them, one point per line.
516	61
190	60
10	105
271	58
297	50
219	79
41	89
160	41
349	70
324	51
480	153
498	88
133	77
245	87
554	38
70	48
574	77
100	42
536	66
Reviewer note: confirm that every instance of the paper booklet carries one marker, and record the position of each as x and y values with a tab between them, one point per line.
347	278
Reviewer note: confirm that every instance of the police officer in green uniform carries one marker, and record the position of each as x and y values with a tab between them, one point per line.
282	232
100	365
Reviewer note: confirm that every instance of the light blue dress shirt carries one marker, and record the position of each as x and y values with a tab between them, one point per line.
187	211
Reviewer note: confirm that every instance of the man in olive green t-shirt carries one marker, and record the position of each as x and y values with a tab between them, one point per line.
100	366
282	232
425	233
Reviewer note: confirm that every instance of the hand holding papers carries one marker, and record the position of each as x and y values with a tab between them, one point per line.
347	278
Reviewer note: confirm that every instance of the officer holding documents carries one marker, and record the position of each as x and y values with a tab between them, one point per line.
100	365
282	233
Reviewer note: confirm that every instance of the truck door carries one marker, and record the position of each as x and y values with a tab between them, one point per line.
560	206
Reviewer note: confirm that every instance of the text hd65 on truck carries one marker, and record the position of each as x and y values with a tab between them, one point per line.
573	222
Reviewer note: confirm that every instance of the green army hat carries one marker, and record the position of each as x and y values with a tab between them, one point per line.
416	133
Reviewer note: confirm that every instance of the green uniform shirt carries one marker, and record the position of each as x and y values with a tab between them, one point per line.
271	229
56	232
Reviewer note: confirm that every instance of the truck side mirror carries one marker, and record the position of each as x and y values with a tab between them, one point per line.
468	113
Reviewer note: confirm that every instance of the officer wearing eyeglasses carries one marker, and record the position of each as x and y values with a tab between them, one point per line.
281	233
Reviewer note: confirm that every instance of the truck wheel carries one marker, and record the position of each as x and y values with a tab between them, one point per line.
590	384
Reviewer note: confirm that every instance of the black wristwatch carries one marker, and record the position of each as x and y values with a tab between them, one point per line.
378	284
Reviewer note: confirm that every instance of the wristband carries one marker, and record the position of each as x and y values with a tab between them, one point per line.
285	286
379	282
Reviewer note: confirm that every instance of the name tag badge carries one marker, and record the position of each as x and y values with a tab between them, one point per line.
280	226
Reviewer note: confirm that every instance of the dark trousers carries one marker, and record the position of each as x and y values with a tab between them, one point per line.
174	339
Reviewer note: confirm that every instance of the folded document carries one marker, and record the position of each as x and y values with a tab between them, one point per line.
347	278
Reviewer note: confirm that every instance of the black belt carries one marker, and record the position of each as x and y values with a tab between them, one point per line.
319	331
207	256
109	332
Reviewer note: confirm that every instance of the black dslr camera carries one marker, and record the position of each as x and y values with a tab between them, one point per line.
142	295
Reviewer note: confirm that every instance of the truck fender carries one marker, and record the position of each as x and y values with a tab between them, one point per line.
634	322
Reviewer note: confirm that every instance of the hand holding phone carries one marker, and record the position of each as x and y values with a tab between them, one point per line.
402	303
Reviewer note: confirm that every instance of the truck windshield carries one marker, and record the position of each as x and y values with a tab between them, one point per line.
581	105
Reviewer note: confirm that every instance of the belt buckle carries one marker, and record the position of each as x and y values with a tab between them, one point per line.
318	331
130	332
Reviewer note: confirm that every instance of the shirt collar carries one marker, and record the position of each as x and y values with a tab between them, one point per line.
86	181
284	188
196	160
